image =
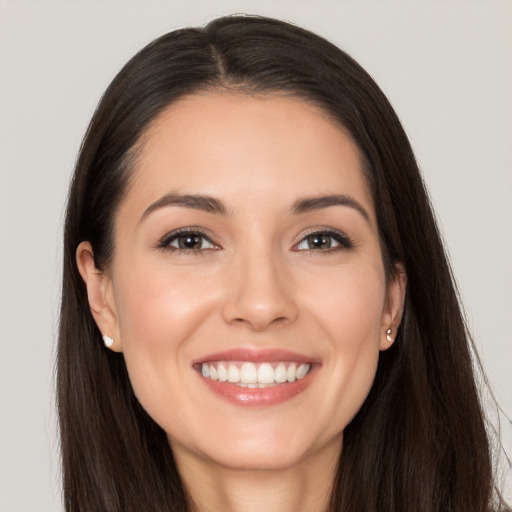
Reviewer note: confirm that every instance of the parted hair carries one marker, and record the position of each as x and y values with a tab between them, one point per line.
419	442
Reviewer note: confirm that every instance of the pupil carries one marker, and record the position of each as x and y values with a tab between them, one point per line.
319	241
190	242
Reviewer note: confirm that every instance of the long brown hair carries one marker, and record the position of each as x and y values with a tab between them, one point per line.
419	442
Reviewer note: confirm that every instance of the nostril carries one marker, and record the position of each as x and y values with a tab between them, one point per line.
258	300
261	324
280	320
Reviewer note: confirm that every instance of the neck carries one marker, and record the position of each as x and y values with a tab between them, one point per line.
304	487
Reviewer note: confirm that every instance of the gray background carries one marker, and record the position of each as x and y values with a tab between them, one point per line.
446	66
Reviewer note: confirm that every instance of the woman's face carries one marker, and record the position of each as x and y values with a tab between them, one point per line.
247	249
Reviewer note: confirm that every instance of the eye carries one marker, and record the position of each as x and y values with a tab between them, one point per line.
185	241
323	241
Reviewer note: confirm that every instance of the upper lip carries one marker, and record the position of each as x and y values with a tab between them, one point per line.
268	355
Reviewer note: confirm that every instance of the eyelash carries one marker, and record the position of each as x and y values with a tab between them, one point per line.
165	242
343	241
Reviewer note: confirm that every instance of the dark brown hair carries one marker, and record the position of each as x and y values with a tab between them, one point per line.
419	442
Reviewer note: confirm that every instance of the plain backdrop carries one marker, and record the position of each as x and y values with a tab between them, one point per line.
446	67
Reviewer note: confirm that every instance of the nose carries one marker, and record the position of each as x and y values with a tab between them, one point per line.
259	292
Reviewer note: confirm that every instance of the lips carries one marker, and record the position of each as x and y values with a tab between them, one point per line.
247	377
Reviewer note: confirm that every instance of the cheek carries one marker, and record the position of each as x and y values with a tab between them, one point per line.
157	308
159	314
350	305
350	314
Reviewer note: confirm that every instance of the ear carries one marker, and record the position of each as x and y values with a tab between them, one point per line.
100	294
394	307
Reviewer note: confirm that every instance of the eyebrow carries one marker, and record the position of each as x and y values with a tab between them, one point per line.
197	202
310	204
212	205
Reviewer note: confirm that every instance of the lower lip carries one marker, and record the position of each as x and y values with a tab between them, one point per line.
259	397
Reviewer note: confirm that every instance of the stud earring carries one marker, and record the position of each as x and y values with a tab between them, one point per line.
108	341
388	335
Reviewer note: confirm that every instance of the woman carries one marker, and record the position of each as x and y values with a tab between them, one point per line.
257	309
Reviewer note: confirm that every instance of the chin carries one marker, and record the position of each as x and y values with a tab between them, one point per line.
262	451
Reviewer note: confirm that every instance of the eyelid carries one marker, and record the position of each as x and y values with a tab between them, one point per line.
164	241
344	241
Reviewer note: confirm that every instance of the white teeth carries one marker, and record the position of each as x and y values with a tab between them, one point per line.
266	374
301	372
253	375
291	372
223	373
281	375
233	373
248	374
213	373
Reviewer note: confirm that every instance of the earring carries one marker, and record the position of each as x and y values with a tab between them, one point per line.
388	335
108	341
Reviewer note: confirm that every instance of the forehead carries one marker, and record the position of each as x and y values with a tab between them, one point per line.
236	145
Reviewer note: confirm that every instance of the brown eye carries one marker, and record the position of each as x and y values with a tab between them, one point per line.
324	241
319	241
187	241
194	242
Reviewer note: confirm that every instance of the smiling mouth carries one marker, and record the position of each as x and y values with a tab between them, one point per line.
248	377
247	374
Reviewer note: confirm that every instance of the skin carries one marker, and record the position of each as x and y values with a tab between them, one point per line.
257	284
